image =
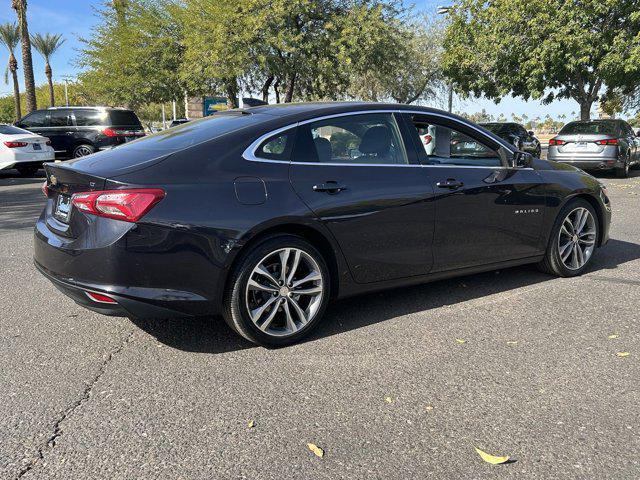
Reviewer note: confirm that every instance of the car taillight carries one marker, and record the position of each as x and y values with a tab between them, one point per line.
16	144
127	205
113	132
48	143
607	141
45	189
555	141
110	132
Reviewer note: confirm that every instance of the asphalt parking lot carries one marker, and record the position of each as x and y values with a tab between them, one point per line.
401	384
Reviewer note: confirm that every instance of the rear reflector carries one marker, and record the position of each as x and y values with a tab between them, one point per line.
98	297
16	144
127	205
607	141
45	189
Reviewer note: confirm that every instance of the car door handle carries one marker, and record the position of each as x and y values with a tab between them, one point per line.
330	187
450	183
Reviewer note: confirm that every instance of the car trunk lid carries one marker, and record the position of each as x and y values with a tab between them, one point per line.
583	143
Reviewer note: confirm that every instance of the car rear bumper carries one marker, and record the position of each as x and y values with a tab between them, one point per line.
127	270
25	159
595	163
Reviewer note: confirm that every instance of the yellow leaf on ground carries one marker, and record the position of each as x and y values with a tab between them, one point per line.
622	354
428	408
388	399
317	451
512	342
611	337
493	460
251	424
460	340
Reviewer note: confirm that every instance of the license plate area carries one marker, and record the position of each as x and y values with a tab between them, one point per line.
37	146
63	208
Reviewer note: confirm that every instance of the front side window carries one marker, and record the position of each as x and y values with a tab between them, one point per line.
35	119
372	138
447	146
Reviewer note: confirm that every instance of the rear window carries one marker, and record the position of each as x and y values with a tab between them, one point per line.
192	133
90	118
586	128
11	130
123	118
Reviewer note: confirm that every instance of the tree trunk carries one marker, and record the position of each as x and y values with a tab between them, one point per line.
291	83
20	6
48	73
265	88
276	89
13	68
585	109
232	92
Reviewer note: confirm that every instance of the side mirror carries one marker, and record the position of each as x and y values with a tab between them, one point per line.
522	160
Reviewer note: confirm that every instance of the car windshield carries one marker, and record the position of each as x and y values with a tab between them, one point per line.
496	127
604	128
11	130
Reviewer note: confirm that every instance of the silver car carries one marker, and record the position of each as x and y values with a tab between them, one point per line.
597	145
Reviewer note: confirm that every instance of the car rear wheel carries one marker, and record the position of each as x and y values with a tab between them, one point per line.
27	171
83	150
623	172
278	292
573	240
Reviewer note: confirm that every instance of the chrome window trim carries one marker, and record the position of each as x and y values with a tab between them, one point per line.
249	152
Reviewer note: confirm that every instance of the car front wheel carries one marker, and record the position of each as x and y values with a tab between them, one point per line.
278	292
83	150
573	240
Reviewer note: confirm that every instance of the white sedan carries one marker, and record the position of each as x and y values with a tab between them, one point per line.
23	150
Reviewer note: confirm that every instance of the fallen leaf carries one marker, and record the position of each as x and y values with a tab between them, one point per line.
388	399
493	460
512	342
428	408
612	336
317	451
460	340
622	354
251	424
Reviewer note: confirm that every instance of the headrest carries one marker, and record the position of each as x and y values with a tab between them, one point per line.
323	147
376	140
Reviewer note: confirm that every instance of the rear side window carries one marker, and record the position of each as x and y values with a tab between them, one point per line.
586	128
35	119
123	118
61	118
90	118
277	147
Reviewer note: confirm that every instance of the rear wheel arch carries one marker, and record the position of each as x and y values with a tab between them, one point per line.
312	235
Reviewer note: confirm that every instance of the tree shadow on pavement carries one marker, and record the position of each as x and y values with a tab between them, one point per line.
211	334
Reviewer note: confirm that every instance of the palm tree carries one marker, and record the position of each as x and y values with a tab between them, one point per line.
47	45
9	37
20	6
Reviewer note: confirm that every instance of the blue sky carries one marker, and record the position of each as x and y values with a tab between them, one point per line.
74	19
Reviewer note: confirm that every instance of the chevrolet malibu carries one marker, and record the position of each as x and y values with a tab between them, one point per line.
264	215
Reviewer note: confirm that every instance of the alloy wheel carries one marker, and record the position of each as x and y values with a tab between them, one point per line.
284	292
577	238
82	151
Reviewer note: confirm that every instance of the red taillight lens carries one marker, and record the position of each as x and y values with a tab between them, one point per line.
607	141
110	132
16	144
555	141
45	189
126	205
98	297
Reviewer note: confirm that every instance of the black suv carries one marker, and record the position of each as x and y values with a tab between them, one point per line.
516	135
79	131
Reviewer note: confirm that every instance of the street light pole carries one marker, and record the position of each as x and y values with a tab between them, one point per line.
445	10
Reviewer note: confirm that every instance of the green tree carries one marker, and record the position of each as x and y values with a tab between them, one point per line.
133	55
47	45
543	49
20	6
9	37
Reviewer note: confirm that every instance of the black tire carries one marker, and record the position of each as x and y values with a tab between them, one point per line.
82	150
552	262
27	171
623	172
538	153
235	310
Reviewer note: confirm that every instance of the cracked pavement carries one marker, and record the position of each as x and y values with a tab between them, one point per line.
88	396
